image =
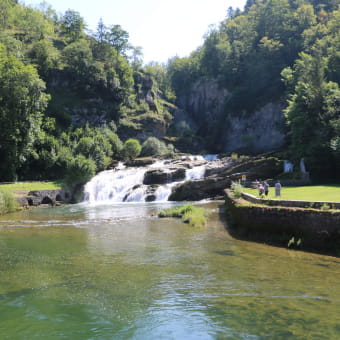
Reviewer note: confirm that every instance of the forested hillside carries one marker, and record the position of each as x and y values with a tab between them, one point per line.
74	101
275	61
66	93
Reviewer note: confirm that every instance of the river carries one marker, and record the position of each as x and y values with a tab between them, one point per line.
116	271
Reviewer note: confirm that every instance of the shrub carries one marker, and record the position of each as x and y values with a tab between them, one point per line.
237	188
153	146
8	202
80	170
131	149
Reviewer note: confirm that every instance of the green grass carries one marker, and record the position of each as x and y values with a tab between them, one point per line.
19	189
190	214
326	193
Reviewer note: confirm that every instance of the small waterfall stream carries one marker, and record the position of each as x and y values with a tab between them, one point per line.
126	184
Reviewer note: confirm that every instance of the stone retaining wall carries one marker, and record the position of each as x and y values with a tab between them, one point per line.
317	229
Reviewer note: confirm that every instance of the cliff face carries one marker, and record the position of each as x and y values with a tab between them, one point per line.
261	131
205	105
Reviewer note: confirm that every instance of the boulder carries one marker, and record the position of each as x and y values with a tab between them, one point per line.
200	189
156	176
163	176
139	162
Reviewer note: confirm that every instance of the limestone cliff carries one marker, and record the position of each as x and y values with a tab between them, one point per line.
206	112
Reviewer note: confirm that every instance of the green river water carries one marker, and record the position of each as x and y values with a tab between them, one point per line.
119	272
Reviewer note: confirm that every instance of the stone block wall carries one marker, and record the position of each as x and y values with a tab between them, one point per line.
317	229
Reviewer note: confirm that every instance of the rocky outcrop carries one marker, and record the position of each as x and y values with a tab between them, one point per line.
204	101
139	162
219	175
163	176
197	190
260	131
203	108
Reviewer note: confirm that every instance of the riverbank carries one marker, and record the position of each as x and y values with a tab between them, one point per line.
19	195
302	228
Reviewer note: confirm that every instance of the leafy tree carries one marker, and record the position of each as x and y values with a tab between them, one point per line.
313	114
45	56
118	38
5	12
72	25
31	25
22	100
136	58
131	149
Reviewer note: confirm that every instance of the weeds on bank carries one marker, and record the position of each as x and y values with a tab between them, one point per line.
237	189
190	214
8	202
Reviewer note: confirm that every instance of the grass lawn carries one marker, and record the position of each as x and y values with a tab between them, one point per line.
326	193
23	188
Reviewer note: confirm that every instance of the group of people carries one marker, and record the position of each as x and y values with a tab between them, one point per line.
263	188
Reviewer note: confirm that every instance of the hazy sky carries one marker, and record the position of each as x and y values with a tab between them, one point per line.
163	28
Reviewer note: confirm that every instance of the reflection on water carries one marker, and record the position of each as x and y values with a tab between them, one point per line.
119	272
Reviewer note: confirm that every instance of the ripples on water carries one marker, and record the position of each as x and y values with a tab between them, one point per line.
119	272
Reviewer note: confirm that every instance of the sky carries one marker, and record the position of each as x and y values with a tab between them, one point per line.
163	28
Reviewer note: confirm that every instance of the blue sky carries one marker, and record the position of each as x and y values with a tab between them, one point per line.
163	28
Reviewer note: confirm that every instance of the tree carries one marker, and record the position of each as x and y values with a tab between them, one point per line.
22	101
313	115
118	38
136	58
72	25
31	25
153	146
101	31
131	149
45	56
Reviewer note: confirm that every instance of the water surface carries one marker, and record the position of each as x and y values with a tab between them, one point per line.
119	272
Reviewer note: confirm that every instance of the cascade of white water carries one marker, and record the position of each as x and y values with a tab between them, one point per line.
114	185
126	184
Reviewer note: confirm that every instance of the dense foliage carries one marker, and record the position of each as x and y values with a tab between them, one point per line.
72	101
252	51
66	95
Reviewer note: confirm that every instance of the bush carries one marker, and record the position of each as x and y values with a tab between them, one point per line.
153	146
131	149
80	170
237	189
8	202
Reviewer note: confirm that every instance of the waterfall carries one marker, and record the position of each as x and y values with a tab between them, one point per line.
115	186
126	184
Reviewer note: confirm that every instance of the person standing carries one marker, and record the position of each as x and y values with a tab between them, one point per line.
278	189
261	189
266	188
